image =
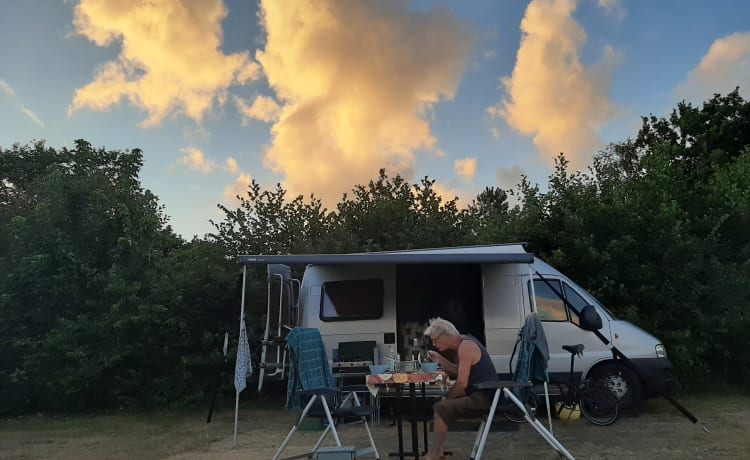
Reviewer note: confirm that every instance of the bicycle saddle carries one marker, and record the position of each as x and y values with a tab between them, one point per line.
574	349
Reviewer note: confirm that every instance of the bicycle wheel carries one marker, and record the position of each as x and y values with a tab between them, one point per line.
514	414
598	404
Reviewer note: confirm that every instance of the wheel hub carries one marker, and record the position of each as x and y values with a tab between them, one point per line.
617	385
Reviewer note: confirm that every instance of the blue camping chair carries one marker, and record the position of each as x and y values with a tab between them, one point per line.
311	387
531	368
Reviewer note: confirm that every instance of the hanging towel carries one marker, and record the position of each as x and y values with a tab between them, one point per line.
533	353
309	363
243	367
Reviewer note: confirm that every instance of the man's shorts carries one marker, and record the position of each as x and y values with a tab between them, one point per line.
456	408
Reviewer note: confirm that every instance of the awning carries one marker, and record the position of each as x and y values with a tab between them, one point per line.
445	256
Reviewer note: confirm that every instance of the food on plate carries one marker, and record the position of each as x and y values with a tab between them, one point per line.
400	378
384	377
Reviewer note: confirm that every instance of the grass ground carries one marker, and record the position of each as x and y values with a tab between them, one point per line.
657	431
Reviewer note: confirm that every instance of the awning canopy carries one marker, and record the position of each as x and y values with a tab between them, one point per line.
404	257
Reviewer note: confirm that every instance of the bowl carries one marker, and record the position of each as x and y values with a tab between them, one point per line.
376	369
429	367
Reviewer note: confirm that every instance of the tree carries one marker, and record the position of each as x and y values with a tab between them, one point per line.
658	230
93	313
390	214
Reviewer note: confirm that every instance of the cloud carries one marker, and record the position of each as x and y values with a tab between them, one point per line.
264	108
356	82
447	193
33	116
231	166
466	168
238	188
489	54
551	95
495	132
249	72
170	60
614	8
725	66
5	87
195	160
508	178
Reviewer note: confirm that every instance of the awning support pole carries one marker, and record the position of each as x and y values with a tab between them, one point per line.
242	321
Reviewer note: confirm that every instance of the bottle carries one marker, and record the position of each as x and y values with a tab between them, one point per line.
416	351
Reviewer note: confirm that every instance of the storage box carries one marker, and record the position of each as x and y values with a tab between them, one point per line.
336	453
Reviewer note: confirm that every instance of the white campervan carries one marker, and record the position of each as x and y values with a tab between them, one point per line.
386	298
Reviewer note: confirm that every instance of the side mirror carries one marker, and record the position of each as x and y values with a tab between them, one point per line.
590	319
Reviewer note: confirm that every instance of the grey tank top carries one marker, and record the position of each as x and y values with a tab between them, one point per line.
483	370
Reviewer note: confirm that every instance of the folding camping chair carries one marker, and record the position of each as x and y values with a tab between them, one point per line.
531	367
311	386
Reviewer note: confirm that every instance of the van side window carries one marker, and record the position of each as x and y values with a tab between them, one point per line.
575	300
549	305
351	300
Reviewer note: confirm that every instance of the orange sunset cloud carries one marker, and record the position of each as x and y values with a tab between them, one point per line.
551	95
170	59
355	82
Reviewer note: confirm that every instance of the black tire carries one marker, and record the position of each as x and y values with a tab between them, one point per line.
514	414
598	404
622	382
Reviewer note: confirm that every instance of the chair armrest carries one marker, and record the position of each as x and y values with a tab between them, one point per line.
495	384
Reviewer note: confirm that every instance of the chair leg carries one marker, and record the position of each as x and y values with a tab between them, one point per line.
321	438
367	428
482	434
475	447
331	424
295	427
537	425
549	408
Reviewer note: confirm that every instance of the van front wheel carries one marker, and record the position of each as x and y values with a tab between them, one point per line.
621	381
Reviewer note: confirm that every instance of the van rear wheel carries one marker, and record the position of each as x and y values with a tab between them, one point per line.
621	381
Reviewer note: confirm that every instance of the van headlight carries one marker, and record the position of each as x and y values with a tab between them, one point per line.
661	351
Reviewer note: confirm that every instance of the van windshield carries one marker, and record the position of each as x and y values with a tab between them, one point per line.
601	305
596	301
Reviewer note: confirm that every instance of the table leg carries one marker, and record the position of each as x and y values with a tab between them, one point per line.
398	422
414	422
426	418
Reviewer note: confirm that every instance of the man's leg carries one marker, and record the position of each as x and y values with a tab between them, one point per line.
438	440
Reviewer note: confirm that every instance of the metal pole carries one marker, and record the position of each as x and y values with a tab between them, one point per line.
534	310
242	321
264	348
533	291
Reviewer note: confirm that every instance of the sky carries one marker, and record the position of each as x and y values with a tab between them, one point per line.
318	95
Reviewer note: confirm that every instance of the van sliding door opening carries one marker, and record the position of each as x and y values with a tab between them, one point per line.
451	291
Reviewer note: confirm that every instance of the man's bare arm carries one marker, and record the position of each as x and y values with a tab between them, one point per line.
468	355
450	367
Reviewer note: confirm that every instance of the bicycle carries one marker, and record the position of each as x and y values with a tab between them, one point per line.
593	397
595	400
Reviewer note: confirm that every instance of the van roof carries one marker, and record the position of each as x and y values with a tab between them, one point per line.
514	253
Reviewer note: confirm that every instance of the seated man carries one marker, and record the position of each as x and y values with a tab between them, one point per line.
474	367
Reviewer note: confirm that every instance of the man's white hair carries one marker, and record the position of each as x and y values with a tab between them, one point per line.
440	326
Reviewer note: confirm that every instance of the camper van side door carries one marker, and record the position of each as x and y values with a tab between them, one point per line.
561	328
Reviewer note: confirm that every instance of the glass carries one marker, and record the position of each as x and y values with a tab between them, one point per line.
352	300
549	306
